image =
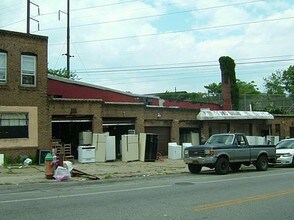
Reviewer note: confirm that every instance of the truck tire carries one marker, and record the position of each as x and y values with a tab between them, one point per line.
262	163
235	166
222	166
194	168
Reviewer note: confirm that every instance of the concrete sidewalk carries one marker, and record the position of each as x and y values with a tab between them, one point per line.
116	169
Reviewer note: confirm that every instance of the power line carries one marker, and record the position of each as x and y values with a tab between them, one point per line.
78	9
105	5
179	31
91	7
157	15
184	63
182	67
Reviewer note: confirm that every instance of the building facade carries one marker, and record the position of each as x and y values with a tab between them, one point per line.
24	111
36	108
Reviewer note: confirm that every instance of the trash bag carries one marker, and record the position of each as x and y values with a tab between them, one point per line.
61	173
27	162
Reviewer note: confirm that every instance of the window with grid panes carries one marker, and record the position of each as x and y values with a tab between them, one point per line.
28	70
3	67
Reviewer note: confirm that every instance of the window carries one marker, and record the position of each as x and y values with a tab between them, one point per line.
28	70
14	125
3	67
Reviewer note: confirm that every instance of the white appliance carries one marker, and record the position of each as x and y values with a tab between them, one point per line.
130	147
174	151
1	159
191	137
270	139
99	141
255	140
110	148
85	138
86	154
195	140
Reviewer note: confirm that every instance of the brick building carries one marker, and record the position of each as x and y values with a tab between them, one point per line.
34	107
23	93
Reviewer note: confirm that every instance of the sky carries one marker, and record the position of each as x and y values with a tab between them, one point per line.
154	46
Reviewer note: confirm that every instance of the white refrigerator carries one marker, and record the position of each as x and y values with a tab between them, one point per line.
130	147
110	148
99	141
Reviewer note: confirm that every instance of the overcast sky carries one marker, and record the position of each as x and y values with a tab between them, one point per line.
150	46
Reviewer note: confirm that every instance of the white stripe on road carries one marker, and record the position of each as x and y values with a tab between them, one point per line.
141	188
82	194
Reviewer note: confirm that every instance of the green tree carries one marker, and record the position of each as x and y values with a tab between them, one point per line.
247	87
244	88
63	73
288	80
213	88
274	83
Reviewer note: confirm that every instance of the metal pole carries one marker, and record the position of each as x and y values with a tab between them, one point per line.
68	40
28	16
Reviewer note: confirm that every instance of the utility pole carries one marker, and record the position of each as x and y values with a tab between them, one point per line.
29	15
68	41
68	56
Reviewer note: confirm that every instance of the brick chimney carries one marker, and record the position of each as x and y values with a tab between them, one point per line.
226	88
225	64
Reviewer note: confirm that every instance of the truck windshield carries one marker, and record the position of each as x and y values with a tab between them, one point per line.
220	139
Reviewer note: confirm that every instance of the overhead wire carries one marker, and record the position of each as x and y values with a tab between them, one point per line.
185	63
152	16
179	31
182	67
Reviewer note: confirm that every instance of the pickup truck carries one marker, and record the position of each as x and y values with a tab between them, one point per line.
228	151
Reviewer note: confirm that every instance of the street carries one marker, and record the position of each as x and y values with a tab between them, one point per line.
247	194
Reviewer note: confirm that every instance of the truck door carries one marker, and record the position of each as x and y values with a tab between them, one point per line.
242	152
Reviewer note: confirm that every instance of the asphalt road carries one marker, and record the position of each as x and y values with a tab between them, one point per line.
243	195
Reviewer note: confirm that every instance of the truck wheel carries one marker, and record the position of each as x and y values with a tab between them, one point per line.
194	168
235	166
262	163
222	166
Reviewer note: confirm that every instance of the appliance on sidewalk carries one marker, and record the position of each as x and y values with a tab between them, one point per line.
86	154
148	147
99	141
174	151
105	147
130	147
110	148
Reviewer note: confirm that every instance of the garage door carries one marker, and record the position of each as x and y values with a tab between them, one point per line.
163	137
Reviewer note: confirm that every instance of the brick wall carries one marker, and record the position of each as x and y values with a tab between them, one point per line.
13	94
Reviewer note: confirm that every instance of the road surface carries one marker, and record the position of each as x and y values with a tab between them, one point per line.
246	194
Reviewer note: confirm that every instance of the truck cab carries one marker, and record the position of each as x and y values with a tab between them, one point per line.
228	151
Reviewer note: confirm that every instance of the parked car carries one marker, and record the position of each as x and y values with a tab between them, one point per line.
285	152
228	151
